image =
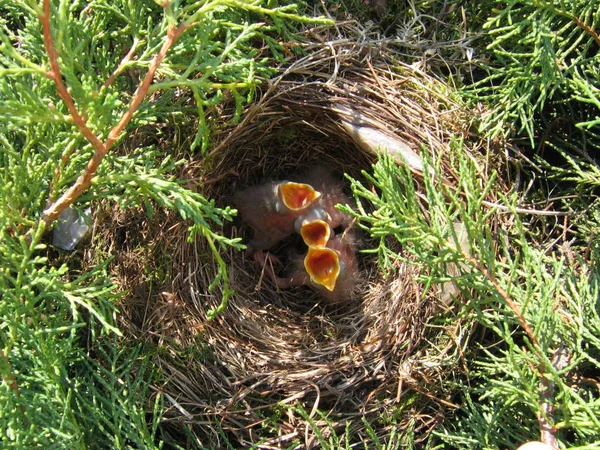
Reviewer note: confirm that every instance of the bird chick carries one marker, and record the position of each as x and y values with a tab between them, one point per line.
332	270
348	276
332	193
313	227
323	266
315	233
272	208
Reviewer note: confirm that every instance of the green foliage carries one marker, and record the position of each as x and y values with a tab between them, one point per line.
539	307
66	378
67	381
119	378
331	439
543	55
568	174
44	321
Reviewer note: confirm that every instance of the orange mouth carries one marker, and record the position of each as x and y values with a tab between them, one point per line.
297	196
316	233
323	266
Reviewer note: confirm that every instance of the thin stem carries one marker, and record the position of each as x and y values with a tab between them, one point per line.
509	301
55	75
213	313
172	36
124	61
587	29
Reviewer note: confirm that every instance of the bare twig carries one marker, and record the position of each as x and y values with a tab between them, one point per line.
172	36
57	172
55	75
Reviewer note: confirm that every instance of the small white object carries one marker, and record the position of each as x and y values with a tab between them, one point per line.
366	133
71	226
373	140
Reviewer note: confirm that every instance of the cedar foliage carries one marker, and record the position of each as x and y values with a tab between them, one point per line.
542	66
533	373
75	79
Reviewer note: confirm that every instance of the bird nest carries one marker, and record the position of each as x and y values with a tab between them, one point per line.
283	367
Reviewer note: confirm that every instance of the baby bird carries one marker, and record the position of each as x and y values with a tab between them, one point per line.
321	179
272	208
348	277
315	233
332	270
323	266
313	227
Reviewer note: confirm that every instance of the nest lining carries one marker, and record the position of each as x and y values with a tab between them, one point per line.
270	347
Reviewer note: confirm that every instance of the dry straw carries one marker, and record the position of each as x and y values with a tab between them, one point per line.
375	356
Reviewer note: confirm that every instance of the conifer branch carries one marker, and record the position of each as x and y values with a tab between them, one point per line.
124	61
57	172
509	301
547	387
587	29
100	148
172	36
55	75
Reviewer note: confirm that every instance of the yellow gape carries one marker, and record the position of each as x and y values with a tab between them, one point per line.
323	266
296	196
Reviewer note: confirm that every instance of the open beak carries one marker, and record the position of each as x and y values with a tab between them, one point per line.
315	233
323	266
296	196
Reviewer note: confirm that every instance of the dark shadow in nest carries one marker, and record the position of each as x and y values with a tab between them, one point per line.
285	154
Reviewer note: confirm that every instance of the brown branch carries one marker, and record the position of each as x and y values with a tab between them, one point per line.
511	304
172	36
587	28
55	75
100	149
124	61
559	362
57	172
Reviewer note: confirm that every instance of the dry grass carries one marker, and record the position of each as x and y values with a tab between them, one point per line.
371	357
